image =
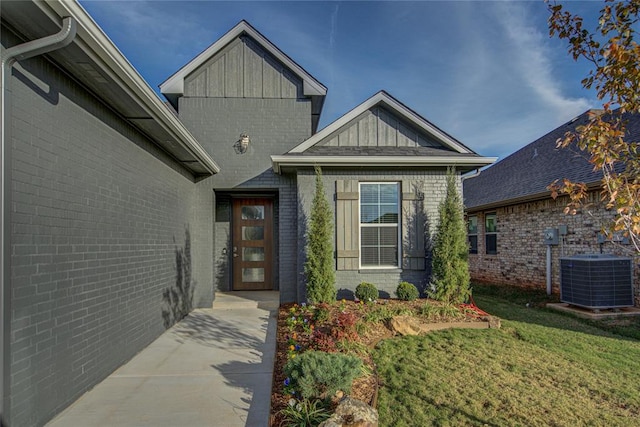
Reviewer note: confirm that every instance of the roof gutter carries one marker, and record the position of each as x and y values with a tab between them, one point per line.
9	57
97	45
281	161
591	186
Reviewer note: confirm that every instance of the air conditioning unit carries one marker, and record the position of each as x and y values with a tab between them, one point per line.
596	281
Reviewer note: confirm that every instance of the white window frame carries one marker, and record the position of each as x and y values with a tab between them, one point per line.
470	234
398	225
490	233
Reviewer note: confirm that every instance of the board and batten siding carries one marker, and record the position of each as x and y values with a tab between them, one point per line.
378	127
243	70
348	225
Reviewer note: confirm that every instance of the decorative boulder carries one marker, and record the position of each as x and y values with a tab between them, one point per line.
352	413
405	325
494	322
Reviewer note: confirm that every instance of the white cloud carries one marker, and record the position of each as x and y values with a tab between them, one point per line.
531	58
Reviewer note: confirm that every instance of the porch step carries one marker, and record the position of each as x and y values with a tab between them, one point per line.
265	300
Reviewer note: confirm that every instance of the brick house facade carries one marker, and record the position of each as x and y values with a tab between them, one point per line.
513	192
118	211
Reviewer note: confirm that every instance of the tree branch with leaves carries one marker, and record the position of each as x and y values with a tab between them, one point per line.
614	54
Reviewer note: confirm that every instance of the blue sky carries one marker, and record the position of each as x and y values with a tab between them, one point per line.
484	71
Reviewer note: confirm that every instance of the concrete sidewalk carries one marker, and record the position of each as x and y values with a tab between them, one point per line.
214	368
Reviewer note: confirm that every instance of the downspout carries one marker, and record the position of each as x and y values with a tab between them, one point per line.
473	175
9	57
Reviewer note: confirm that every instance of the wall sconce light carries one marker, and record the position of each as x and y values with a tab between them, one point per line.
242	145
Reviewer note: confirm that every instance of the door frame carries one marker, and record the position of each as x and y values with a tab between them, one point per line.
235	256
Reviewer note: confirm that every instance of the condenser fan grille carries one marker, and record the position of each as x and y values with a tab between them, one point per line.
596	281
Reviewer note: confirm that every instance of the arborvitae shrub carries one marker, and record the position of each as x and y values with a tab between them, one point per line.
319	267
450	280
367	292
319	375
407	291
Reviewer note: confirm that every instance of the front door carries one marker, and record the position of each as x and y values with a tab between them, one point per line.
252	244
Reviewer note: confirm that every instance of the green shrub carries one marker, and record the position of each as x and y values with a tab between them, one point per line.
450	281
384	313
438	312
319	266
322	313
367	292
319	375
407	291
304	413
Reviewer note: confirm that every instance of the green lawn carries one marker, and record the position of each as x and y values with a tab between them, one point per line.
541	368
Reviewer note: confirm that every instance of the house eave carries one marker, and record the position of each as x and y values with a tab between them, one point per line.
535	197
288	162
109	60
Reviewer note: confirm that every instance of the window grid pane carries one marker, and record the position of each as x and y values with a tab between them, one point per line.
379	215
491	234
472	225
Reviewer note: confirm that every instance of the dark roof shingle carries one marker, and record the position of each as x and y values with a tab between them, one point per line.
526	173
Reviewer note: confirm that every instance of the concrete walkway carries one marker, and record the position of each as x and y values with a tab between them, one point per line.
214	368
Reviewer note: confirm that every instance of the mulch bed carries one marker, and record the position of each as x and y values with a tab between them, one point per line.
364	388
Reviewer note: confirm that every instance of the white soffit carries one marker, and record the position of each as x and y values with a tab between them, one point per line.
472	162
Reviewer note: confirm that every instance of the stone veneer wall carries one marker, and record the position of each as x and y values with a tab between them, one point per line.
521	258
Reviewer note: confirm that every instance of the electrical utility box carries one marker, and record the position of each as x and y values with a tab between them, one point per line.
551	236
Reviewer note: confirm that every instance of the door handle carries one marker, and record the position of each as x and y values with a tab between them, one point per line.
235	255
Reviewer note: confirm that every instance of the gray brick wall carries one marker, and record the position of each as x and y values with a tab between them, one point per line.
101	221
274	127
434	189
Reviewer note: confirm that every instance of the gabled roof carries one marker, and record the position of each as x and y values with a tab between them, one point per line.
436	149
524	175
93	60
173	87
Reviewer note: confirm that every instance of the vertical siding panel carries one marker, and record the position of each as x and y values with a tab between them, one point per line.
407	137
367	130
352	136
339	226
333	142
252	70
412	226
355	226
343	139
347	241
423	142
349	137
387	129
233	72
289	85
215	78
271	78
195	84
348	214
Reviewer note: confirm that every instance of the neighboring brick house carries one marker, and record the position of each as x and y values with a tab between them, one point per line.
508	208
115	216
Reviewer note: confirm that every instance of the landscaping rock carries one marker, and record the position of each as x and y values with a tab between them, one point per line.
352	413
405	325
494	322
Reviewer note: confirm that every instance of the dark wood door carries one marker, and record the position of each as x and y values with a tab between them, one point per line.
252	255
